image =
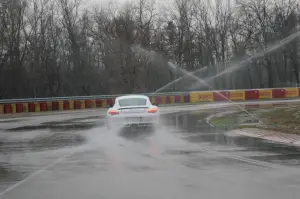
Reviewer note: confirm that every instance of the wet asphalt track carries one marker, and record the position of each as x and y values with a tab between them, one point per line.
74	156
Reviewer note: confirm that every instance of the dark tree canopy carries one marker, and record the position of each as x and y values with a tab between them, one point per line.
60	48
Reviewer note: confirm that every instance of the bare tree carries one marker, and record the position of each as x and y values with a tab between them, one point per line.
59	48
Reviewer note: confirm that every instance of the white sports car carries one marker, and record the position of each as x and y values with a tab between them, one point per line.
132	110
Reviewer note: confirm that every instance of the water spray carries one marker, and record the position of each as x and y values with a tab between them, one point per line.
228	70
152	54
180	78
260	54
204	82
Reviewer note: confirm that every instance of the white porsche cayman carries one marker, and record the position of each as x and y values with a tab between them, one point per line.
132	110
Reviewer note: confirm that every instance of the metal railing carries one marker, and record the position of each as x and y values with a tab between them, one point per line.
51	99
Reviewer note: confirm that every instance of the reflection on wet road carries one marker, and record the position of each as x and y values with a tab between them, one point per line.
183	158
197	131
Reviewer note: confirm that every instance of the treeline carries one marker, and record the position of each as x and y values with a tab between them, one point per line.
60	48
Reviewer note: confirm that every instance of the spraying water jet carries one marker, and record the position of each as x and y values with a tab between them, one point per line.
258	55
205	83
152	54
180	78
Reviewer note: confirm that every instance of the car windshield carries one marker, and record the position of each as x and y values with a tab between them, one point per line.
133	102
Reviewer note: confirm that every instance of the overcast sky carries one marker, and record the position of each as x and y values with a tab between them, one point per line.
103	2
93	2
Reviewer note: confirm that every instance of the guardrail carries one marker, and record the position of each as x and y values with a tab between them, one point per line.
101	101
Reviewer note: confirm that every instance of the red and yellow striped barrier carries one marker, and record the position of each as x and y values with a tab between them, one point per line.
251	94
244	95
237	95
173	98
205	96
61	105
292	92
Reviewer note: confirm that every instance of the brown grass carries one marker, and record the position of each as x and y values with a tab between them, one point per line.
284	119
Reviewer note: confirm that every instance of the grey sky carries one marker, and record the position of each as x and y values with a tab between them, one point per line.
103	2
93	2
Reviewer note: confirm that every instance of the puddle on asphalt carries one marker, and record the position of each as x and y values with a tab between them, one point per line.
11	121
208	162
58	127
140	168
9	176
286	158
74	120
45	138
183	152
58	140
200	132
59	134
65	127
7	173
84	123
43	142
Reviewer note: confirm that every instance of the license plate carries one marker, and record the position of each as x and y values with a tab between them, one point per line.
138	110
133	119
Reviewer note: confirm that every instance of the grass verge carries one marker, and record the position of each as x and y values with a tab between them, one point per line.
283	119
227	121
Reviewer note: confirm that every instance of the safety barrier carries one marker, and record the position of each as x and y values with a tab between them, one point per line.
81	102
91	102
243	95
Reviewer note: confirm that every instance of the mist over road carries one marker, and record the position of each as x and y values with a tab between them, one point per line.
76	157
